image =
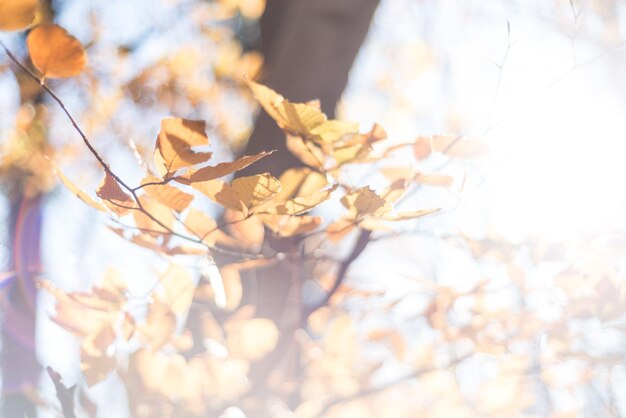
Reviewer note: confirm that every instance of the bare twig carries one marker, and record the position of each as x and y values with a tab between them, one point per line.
373	391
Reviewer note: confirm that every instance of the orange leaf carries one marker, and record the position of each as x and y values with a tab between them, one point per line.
55	52
173	148
220	170
17	14
166	194
113	195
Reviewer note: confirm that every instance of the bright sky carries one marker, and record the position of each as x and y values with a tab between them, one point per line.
548	97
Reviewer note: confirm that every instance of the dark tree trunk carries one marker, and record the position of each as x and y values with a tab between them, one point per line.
309	48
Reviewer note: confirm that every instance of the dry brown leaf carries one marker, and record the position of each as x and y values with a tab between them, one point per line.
365	201
55	52
17	14
113	195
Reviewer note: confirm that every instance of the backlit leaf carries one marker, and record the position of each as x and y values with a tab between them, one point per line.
251	339
159	212
178	288
55	52
113	195
174	145
166	194
17	14
78	192
220	170
287	226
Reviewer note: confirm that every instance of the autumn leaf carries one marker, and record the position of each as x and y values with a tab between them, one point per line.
300	181
309	153
299	205
174	145
17	14
251	339
159	212
364	201
95	368
76	191
165	194
288	226
244	194
159	325
178	288
300	118
54	52
113	195
220	170
204	227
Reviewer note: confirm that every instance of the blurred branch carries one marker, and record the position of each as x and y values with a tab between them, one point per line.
375	390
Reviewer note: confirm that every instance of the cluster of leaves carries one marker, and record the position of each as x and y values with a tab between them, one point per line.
195	346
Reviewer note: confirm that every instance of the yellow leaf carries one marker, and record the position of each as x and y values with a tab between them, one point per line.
113	195
178	288
159	326
222	193
302	119
160	212
205	227
220	170
244	194
17	14
173	147
301	181
248	231
77	192
302	204
55	52
256	190
251	339
166	194
307	152
288	226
